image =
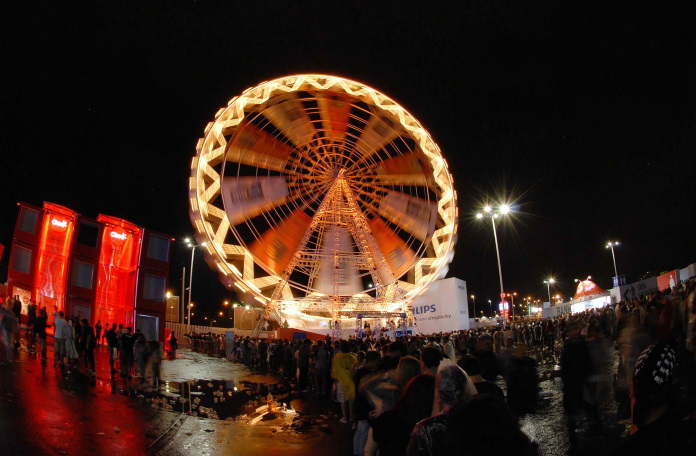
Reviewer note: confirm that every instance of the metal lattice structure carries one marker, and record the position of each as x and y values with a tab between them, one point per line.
319	196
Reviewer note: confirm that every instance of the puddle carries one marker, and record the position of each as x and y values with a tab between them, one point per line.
226	400
256	404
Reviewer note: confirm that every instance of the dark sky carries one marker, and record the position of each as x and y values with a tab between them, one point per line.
584	113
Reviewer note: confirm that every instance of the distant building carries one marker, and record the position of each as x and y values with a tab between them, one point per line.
106	269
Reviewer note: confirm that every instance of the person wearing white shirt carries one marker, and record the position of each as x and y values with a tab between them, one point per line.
58	339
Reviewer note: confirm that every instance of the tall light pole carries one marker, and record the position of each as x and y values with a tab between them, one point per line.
193	251
548	283
512	302
490	307
528	299
610	245
490	213
473	298
182	301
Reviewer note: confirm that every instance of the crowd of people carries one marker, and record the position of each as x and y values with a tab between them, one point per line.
208	343
464	391
75	341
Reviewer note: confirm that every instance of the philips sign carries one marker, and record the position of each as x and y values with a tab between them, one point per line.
424	309
443	307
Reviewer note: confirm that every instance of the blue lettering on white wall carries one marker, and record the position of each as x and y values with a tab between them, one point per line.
424	309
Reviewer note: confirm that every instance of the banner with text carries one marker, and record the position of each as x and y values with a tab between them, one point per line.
443	307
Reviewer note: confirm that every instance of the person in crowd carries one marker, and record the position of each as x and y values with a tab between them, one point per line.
408	368
142	353
522	380
321	368
430	360
487	357
448	348
263	354
303	354
382	395
31	318
112	345
155	362
39	329
98	331
361	405
391	429
89	343
174	344
10	327
659	427
576	368
631	341
58	339
71	353
452	386
17	309
484	426
126	352
472	367
342	373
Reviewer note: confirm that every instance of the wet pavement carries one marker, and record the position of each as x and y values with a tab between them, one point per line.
213	406
44	410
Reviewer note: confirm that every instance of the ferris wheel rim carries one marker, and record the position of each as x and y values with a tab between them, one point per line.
201	207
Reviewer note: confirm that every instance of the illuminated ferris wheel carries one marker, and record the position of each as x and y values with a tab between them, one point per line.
320	196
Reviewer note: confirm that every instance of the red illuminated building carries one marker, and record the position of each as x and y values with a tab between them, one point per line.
106	269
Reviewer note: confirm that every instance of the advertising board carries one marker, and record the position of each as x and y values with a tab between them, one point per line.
443	307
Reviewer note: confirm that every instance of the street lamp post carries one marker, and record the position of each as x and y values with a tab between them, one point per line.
528	299
488	212
473	298
610	245
193	251
548	286
512	303
490	307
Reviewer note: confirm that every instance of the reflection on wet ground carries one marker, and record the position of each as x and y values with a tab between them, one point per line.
222	399
252	403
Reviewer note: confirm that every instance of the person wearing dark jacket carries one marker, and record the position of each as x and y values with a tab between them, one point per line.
88	342
40	325
126	347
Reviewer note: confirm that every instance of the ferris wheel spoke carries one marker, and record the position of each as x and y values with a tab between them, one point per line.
288	115
335	108
276	247
307	195
254	147
408	169
298	164
398	255
414	215
378	132
247	197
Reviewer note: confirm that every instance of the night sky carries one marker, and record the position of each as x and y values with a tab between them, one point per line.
582	113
